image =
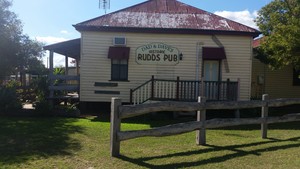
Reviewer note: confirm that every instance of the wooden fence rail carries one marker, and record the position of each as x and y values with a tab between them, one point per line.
119	112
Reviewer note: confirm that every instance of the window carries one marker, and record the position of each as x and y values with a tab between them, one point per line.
119	69
296	77
119	41
119	62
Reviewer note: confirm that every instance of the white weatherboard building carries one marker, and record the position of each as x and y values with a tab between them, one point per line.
164	50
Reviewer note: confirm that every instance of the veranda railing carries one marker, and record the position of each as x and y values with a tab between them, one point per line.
184	90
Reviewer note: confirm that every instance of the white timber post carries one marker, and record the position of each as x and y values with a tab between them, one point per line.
67	65
77	66
66	74
201	116
264	115
51	81
115	127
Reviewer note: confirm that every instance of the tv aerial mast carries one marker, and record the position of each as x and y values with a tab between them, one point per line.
104	4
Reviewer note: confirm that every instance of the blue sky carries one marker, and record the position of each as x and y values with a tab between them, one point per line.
51	21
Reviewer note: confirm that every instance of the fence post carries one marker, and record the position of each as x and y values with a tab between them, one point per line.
264	115
115	126
201	116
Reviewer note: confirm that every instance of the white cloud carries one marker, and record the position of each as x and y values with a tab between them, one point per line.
244	17
64	32
50	39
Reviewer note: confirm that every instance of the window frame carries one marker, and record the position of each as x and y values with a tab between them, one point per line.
118	68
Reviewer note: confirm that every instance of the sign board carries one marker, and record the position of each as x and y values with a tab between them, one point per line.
157	53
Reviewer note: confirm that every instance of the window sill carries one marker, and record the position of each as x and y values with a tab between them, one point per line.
119	81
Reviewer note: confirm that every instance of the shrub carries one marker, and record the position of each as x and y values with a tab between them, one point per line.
9	101
43	108
41	87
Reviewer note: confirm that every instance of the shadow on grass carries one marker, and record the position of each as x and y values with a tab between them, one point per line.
236	149
275	126
23	139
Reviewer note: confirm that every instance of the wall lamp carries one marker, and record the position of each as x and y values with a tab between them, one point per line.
180	56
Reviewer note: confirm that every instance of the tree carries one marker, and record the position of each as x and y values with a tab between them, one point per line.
10	32
279	21
17	51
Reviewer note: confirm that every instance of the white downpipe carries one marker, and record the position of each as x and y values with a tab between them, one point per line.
198	46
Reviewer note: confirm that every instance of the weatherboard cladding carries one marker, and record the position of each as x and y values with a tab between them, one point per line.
96	67
164	14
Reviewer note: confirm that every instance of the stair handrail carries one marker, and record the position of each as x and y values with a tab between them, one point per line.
139	87
142	85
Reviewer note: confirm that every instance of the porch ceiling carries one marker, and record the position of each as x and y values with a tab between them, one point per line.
69	48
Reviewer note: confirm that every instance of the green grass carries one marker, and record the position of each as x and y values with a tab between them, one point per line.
84	143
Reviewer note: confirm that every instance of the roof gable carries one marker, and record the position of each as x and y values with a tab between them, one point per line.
164	14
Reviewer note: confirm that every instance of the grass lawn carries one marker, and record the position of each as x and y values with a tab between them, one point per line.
84	143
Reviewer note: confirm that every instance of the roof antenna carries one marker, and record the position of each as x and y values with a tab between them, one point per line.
104	4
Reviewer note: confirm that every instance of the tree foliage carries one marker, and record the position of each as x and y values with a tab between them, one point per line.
279	21
10	32
17	51
28	56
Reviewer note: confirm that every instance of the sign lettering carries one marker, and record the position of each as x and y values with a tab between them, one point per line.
157	53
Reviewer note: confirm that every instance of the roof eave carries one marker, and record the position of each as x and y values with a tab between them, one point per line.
60	44
70	48
81	28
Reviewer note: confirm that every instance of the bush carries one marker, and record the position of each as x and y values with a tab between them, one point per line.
41	88
43	108
9	101
67	110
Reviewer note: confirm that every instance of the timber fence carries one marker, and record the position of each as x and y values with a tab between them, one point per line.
119	112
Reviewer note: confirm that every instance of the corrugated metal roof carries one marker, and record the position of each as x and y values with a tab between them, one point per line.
69	48
164	14
256	42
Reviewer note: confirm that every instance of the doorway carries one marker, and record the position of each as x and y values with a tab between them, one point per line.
211	74
211	70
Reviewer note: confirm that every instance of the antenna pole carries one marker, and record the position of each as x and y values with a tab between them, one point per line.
104	5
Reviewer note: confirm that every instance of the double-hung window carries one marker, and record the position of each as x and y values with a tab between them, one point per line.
119	62
119	69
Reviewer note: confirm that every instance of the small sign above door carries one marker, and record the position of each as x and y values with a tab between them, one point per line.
157	53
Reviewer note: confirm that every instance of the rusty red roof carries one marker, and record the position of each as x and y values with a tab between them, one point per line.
165	15
256	42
